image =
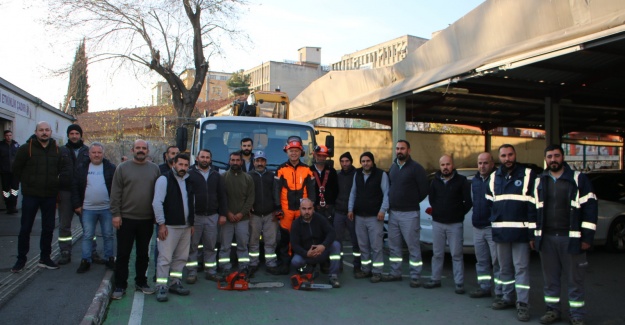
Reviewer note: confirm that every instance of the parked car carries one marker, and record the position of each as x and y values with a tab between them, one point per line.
609	187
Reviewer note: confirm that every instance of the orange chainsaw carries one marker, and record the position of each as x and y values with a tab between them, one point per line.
305	282
240	281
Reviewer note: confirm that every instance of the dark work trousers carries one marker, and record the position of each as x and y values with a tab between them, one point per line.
130	231
341	223
283	247
557	262
30	205
10	187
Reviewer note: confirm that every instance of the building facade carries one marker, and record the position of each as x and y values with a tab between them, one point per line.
380	55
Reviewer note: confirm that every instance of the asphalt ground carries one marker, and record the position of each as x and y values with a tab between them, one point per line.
37	296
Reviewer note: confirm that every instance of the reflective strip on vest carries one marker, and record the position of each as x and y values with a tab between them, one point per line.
587	197
483	278
209	265
419	263
589	225
538	233
514	197
510	224
522	286
65	238
489	197
335	257
531	225
161	280
378	264
365	262
254	254
395	259
540	205
552	300
192	264
576	304
575	234
356	254
177	275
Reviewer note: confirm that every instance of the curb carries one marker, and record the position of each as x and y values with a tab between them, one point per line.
97	309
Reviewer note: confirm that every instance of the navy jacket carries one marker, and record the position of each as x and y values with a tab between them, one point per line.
481	206
79	184
513	204
408	186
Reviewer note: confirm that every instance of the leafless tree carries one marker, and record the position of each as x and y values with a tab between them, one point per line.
163	35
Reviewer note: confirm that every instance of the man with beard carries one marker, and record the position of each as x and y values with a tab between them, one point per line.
240	193
39	164
408	187
173	209
80	158
210	204
312	241
10	184
485	248
566	221
170	154
247	145
450	198
132	193
511	190
263	219
345	179
368	202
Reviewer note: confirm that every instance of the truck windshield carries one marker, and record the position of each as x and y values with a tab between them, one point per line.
222	137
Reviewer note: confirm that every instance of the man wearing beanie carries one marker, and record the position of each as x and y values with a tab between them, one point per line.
80	156
341	222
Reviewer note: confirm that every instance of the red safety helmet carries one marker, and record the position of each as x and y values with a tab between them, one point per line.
322	151
294	142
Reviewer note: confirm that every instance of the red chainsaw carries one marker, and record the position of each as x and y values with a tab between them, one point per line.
240	281
305	282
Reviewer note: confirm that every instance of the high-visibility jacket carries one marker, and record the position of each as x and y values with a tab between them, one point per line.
513	204
583	209
293	183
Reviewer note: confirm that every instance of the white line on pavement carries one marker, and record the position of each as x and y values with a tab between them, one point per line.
137	309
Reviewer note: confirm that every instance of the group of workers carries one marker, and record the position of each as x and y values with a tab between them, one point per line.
303	212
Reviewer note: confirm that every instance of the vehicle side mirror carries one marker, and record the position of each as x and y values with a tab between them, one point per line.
182	136
330	145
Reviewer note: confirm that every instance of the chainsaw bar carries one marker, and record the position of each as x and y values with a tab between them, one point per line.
312	286
262	285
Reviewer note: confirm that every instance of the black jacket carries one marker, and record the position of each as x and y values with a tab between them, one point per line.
331	187
317	232
345	180
39	169
7	155
79	184
452	200
408	186
263	192
210	194
78	159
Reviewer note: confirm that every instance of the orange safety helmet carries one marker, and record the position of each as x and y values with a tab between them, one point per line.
322	151
294	142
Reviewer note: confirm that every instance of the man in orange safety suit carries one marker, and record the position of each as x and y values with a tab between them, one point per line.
294	181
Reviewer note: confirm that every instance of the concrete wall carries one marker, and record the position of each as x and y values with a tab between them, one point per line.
427	148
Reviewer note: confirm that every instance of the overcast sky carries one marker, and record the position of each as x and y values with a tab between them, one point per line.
278	28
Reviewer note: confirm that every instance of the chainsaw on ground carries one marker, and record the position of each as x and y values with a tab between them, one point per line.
240	281
305	282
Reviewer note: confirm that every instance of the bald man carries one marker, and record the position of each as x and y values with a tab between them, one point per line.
39	164
450	198
485	248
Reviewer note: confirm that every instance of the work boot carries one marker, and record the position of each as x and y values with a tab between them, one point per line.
375	278
362	275
161	294
432	284
459	289
334	281
391	278
84	266
178	289
66	257
577	321
522	312
480	293
212	277
191	279
500	304
19	266
550	317
415	283
95	258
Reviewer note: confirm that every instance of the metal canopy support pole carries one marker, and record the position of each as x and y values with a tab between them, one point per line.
488	141
622	154
552	122
399	121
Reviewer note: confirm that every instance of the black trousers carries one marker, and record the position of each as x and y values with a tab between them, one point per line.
131	232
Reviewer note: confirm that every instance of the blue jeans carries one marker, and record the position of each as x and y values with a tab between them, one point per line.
333	252
89	220
30	205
